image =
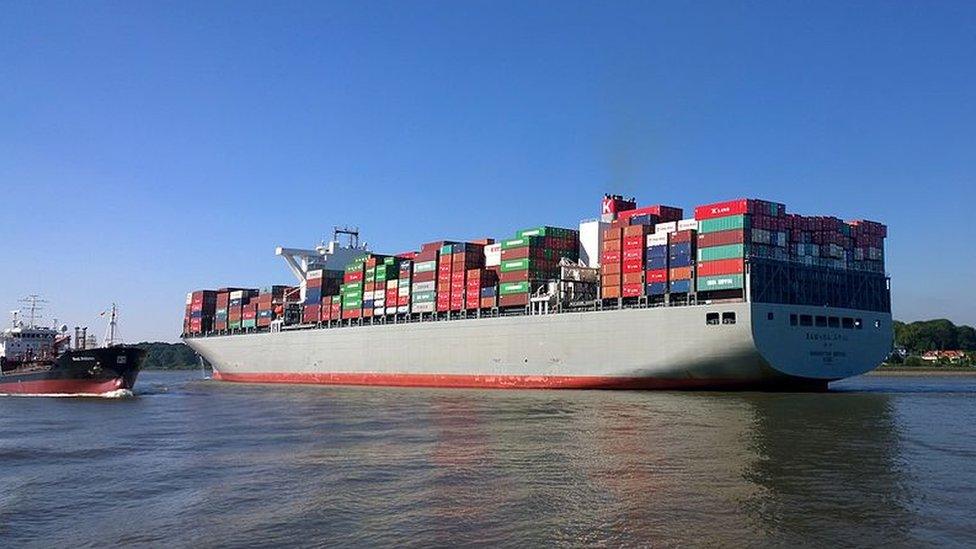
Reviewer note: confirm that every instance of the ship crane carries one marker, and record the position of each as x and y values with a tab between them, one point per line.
334	254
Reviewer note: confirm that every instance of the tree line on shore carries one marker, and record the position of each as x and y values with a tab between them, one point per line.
168	356
917	338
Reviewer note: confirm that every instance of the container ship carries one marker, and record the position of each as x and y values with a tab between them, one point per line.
40	360
741	295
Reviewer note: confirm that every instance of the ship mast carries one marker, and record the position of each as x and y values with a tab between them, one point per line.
34	310
110	334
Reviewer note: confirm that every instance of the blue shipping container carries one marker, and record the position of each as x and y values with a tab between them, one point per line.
657	288
658	251
488	292
680	286
680	261
656	262
681	248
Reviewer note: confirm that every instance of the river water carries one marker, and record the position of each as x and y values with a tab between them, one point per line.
191	462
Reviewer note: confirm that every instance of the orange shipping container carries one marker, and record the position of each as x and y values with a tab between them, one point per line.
611	245
680	273
612	234
610	280
610	268
633	278
635	230
610	292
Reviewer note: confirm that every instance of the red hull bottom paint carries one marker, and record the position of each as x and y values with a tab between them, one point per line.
475	381
61	387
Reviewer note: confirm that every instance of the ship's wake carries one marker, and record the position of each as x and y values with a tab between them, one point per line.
118	393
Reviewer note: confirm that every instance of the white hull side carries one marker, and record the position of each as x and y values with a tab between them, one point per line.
630	348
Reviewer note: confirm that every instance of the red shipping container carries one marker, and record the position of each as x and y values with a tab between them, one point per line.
311	314
656	275
678	237
513	300
487	302
665	213
722	209
610	257
612	245
632	266
457	275
367	313
353	277
632	290
721	238
721	267
607	268
610	280
472	303
428	276
612	233
634	254
634	241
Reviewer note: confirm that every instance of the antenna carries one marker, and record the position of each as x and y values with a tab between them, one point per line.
351	233
33	301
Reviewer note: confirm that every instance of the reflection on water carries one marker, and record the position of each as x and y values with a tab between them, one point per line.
210	463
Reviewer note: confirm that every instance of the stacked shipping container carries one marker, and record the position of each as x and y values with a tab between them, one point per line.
531	260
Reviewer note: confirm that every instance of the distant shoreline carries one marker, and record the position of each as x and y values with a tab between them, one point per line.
923	371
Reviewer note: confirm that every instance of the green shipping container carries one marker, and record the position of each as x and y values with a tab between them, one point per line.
234	325
351	286
721	282
713	253
447	249
521	242
424	297
545	230
727	223
515	265
250	323
509	288
425	267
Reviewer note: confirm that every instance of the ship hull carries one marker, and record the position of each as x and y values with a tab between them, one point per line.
82	372
646	348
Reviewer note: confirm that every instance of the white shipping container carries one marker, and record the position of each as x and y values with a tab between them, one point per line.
403	309
378	311
392	283
404	291
427	307
189	298
657	239
379	303
424	286
391	310
669	227
688	224
590	242
493	255
314	274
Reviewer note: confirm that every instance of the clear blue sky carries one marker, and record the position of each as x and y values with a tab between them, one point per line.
149	148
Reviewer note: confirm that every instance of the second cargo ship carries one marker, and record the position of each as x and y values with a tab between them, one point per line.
742	295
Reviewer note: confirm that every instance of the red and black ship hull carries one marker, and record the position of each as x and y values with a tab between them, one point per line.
84	372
